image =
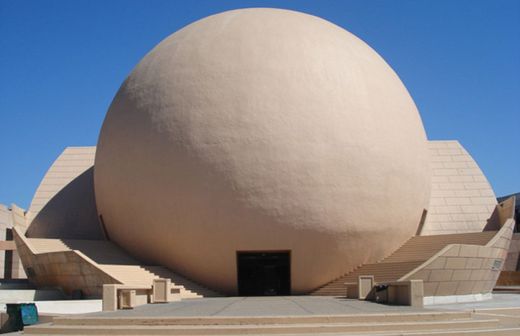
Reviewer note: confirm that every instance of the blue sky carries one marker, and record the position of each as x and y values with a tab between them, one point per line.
61	62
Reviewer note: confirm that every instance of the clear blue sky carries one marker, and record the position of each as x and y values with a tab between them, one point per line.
61	62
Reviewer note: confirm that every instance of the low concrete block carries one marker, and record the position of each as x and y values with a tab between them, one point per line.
127	299
416	293
161	292
365	285
109	297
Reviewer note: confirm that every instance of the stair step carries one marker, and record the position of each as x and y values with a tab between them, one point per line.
260	320
297	328
115	262
405	259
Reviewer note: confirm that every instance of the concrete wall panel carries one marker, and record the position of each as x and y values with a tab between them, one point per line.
64	204
461	197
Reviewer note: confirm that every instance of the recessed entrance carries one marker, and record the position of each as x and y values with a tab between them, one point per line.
264	273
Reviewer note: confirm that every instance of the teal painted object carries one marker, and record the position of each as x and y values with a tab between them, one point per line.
29	313
20	315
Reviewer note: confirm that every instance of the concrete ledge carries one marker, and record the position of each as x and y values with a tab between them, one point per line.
405	293
64	307
24	295
248	329
434	300
263	320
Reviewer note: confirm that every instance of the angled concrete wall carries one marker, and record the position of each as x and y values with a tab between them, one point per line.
64	204
461	197
70	270
460	269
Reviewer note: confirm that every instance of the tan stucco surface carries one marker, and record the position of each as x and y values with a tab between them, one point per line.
262	129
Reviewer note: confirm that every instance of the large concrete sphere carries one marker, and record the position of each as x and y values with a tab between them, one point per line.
259	130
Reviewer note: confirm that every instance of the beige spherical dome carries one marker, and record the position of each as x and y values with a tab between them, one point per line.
262	130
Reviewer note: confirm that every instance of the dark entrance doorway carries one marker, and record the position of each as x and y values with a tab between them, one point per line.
264	273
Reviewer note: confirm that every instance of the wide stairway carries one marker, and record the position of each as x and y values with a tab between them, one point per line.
411	324
409	256
114	261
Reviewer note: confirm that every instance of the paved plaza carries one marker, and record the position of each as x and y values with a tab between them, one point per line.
294	306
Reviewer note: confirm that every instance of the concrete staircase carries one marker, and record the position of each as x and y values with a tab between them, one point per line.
143	275
409	256
419	323
111	259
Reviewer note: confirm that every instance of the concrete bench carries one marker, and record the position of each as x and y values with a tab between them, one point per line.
408	292
118	296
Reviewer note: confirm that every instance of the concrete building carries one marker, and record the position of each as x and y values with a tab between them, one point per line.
11	267
266	152
510	275
517	208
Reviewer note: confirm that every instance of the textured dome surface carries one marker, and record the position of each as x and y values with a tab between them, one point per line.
260	130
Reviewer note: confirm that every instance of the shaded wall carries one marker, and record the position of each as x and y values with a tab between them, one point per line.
513	256
64	204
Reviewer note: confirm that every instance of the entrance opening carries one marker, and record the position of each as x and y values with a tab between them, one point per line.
264	273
